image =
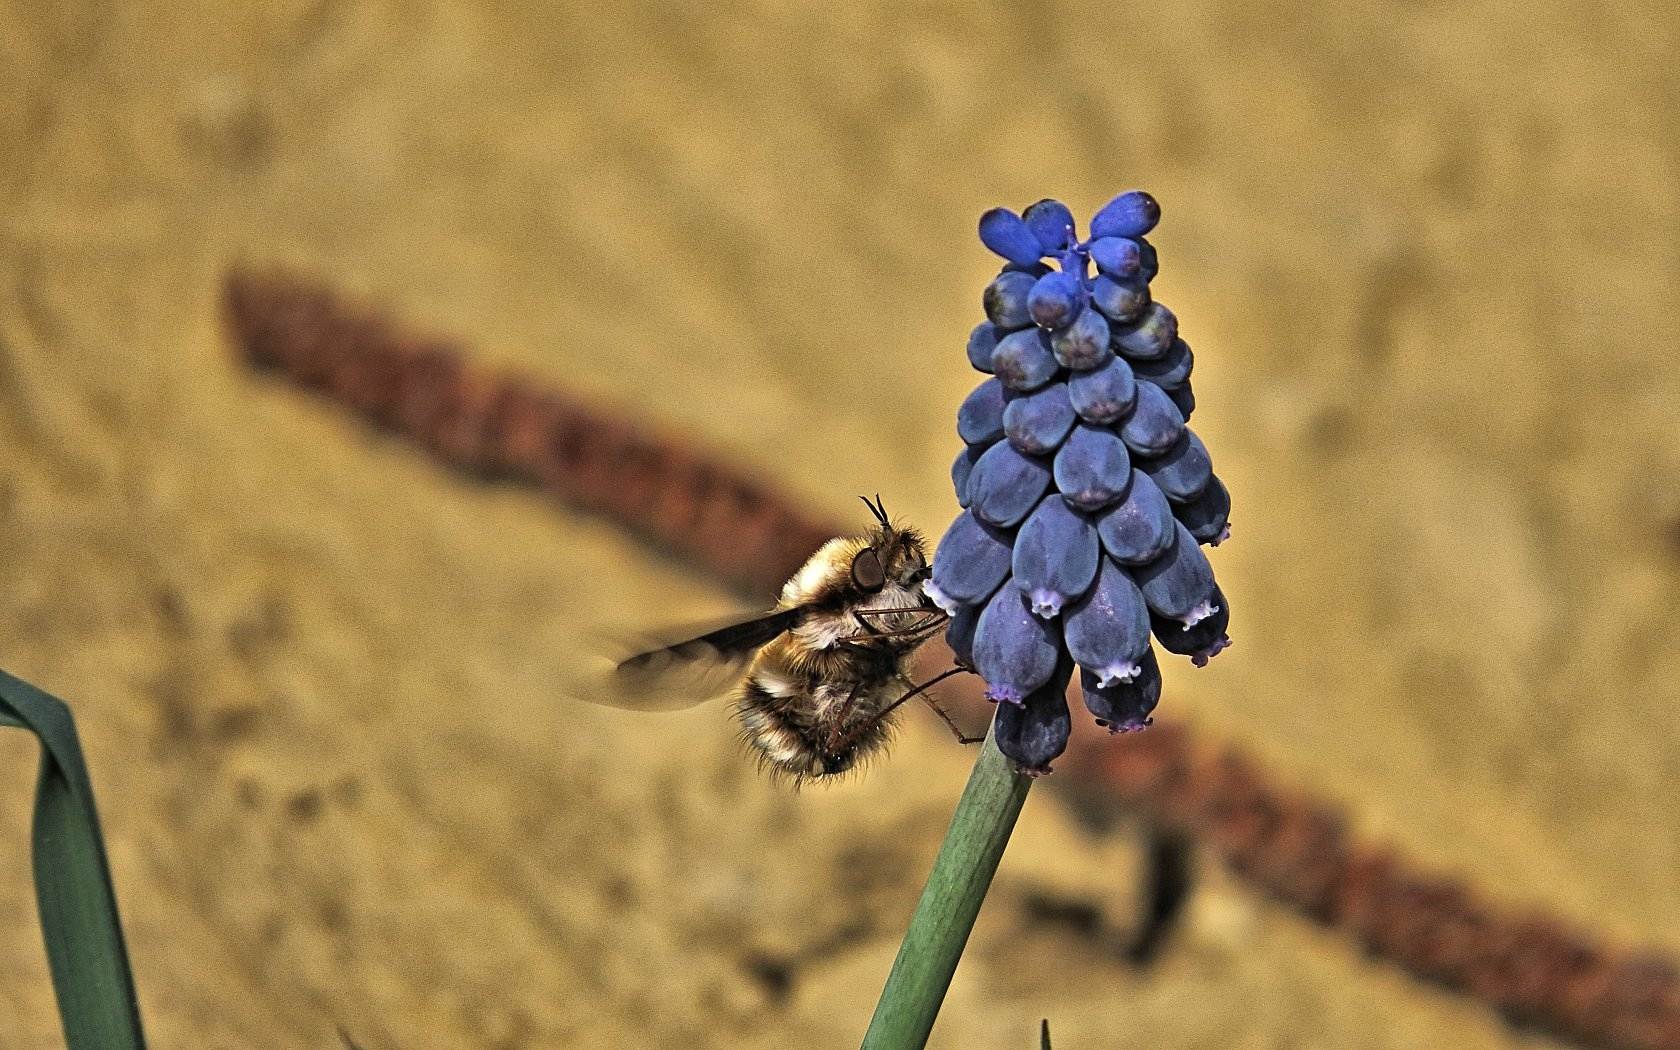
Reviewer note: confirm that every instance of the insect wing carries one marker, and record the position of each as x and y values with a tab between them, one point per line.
699	668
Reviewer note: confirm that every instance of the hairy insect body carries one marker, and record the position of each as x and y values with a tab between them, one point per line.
807	722
825	670
814	701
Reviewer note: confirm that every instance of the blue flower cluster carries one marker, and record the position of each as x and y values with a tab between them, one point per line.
1086	496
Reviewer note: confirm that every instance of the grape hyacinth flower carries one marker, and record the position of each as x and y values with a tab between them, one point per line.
1086	501
1088	498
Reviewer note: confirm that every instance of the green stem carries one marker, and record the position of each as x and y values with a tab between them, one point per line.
944	916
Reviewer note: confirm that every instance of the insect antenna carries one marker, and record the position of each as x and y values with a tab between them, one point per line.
877	509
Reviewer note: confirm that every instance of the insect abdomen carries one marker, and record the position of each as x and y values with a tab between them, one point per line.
766	726
809	727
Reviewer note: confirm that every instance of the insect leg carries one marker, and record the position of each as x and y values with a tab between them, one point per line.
915	636
956	731
927	698
837	722
929	620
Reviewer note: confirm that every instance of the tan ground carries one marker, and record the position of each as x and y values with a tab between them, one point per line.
1426	252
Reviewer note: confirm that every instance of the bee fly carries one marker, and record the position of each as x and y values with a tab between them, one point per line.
825	670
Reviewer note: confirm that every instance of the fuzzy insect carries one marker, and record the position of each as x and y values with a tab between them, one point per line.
816	680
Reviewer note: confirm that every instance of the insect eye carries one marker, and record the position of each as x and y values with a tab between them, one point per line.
867	572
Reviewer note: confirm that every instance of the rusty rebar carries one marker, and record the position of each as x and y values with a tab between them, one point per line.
496	425
1534	968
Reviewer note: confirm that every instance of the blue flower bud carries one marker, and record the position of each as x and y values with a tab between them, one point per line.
1055	299
1150	336
1169	371
1083	345
1124	706
1149	259
961	468
1179	584
1003	232
1036	423
1005	485
1200	643
1052	223
1092	468
980	416
1208	515
971	561
1006	300
1023	360
1184	400
1104	395
1122	302
1056	555
1183	471
1033	733
1107	631
1117	257
1154	423
959	633
1139	529
981	342
1132	214
1014	651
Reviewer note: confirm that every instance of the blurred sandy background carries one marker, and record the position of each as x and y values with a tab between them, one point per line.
1426	253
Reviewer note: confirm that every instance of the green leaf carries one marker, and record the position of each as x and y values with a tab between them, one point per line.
84	938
